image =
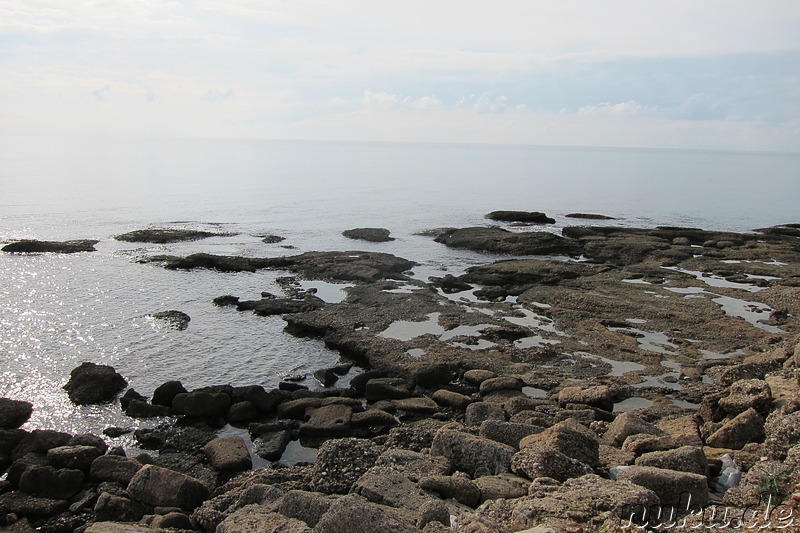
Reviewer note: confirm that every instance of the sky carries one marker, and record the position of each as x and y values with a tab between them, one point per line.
708	74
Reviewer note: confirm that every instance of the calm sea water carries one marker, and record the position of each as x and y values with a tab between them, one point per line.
59	310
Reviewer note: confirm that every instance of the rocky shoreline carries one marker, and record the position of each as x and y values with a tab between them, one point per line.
532	393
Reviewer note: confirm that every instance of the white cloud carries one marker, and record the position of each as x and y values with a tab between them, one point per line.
213	95
628	108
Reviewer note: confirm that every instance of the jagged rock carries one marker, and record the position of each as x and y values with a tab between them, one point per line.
569	438
627	424
140	409
411	464
669	485
166	392
341	462
478	412
744	394
271	445
507	432
502	486
599	396
542	461
172	319
202	404
228	454
581	499
119	509
65	247
459	488
257	518
75	457
472	454
684	459
368	234
91	383
744	428
251	490
162	487
353	514
14	413
383	486
306	506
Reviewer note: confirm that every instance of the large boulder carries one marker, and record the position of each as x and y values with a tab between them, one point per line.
166	392
23	504
568	437
228	454
91	383
735	434
744	394
683	459
532	217
341	462
599	396
260	519
202	404
353	514
671	486
75	457
306	506
472	454
49	482
627	424
162	487
116	468
368	234
14	413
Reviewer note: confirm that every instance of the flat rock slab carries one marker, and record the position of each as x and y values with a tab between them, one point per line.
328	421
368	234
671	486
65	247
164	236
259	518
228	454
533	217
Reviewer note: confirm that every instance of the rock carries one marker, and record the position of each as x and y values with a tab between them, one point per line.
499	384
140	409
627	424
671	487
383	486
39	441
415	406
541	461
477	376
478	412
172	520
48	482
735	434
116	527
683	459
387	389
165	236
433	511
166	488
272	239
502	486
534	217
91	383
459	488
449	284
119	509
130	395
264	401
271	445
599	396
65	247
242	412
23	504
569	438
451	399
372	418
353	514
329	421
172	319
296	409
202	404
306	506
472	454
747	393
326	376
166	392
21	464
228	454
413	465
507	432
581	499
89	439
14	413
250	489
497	240
74	457
589	216
341	462
368	234
259	519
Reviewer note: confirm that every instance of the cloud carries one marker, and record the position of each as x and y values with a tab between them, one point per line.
485	103
384	100
623	108
212	95
99	94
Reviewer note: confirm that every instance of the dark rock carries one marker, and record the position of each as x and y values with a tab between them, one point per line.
89	439
48	482
507	432
459	488
14	413
21	464
451	399
368	234
415	406
281	306
165	236
10	439
91	383
432	375
477	376
433	511
65	247
243	412
115	432
73	457
478	412
359	382
264	401
23	504
41	440
496	240
159	486
296	409
326	376
589	216
119	509
271	445
129	396
172	520
472	454
534	217
272	239
202	404
450	284
228	454
114	468
387	389
140	409
224	301
262	520
172	319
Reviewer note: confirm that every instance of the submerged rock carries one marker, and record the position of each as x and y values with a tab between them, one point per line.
91	383
65	247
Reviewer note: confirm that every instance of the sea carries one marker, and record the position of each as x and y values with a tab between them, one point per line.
57	311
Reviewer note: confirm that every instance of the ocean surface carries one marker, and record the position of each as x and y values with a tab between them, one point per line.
57	311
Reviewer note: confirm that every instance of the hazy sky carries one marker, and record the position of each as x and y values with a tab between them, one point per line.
679	73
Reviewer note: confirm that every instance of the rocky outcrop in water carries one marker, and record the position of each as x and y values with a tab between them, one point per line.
91	383
166	236
530	217
59	247
172	319
368	234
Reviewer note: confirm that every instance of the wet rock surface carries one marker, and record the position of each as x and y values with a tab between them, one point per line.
58	247
164	236
368	234
91	383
